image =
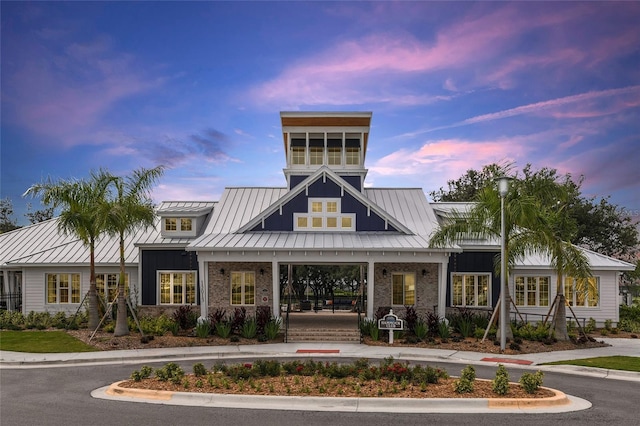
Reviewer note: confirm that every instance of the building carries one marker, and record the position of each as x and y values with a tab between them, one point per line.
229	253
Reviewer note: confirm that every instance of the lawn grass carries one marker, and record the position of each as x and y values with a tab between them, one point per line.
41	342
626	363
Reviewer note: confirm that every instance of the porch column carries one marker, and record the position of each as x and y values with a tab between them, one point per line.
203	273
275	281
442	289
370	286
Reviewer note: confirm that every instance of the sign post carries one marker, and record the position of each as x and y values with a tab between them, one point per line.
390	322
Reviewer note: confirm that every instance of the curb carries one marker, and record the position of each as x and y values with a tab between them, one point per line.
560	402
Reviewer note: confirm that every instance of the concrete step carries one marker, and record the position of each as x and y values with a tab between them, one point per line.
323	335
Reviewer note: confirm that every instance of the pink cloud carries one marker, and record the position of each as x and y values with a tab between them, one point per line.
450	158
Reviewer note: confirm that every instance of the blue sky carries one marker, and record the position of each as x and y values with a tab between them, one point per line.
198	87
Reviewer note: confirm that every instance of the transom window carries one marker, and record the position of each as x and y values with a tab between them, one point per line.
177	287
403	289
63	288
324	214
532	291
109	283
582	292
243	288
470	289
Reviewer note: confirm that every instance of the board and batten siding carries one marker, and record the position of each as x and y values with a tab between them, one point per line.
607	310
35	294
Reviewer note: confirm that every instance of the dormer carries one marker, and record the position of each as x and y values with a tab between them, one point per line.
183	219
337	140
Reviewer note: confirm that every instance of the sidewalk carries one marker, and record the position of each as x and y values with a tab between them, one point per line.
623	347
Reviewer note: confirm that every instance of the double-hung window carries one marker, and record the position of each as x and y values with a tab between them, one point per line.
177	287
403	290
582	292
63	288
243	288
532	291
107	285
470	290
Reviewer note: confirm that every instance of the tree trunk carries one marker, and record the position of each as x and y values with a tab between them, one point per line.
122	325
93	296
560	314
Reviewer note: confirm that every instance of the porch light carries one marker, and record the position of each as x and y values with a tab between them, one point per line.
221	271
384	272
424	272
261	271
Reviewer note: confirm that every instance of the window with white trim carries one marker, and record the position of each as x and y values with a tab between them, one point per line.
109	283
297	155
470	289
403	288
324	214
178	224
177	287
532	291
243	288
63	288
353	156
582	292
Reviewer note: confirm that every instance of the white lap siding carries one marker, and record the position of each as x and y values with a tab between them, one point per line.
606	310
35	287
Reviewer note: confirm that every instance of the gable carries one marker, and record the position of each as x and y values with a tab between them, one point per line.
284	218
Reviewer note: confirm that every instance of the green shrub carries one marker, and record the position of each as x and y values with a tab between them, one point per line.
420	329
249	328
500	384
223	329
465	328
272	328
607	324
144	373
467	378
268	367
443	330
203	329
468	373
462	386
590	326
530	382
171	372
174	327
199	369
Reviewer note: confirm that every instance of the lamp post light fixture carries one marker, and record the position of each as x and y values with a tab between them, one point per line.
503	189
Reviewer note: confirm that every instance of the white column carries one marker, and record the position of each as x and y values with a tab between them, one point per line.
370	287
203	273
275	277
442	289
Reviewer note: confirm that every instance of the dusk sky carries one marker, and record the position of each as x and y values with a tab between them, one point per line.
198	87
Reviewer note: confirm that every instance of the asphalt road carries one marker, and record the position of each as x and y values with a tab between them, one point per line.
61	396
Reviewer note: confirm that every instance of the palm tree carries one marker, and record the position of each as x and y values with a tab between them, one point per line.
551	238
130	208
483	221
81	202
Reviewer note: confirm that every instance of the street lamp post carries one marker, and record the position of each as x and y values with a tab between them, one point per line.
503	189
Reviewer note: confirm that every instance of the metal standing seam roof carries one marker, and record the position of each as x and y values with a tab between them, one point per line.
42	243
238	206
597	261
190	208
